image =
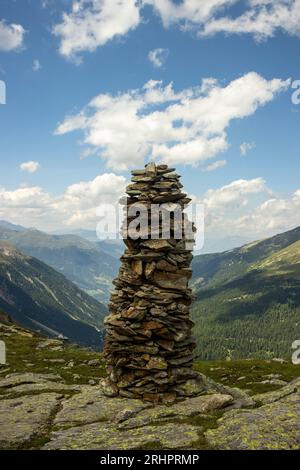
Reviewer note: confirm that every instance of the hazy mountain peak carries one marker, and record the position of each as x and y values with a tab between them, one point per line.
11	226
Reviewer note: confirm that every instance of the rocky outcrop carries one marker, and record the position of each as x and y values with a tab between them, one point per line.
82	417
149	345
275	426
272	397
22	419
106	437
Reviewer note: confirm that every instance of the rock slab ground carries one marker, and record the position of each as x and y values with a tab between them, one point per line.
41	411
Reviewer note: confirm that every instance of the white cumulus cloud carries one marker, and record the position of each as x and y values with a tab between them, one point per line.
245	147
76	207
93	23
158	57
90	24
262	19
185	127
214	166
30	167
274	215
11	36
248	209
235	194
189	11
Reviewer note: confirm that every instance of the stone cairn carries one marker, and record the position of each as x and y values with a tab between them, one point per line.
149	346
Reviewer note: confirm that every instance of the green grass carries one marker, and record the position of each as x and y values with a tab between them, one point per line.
253	371
22	350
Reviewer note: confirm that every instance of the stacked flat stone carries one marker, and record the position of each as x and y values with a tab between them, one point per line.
149	344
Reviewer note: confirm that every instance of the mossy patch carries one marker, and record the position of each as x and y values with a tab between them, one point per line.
24	354
248	374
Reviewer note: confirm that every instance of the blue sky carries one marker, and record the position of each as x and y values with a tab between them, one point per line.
54	65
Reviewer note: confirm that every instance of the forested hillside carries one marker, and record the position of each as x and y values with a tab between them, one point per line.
38	297
83	262
248	300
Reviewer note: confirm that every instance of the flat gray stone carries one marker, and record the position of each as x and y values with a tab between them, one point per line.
241	399
91	405
106	437
24	418
12	380
275	426
25	389
190	407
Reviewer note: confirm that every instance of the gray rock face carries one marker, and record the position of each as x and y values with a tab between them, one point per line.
41	387
271	397
106	437
197	406
24	418
90	420
90	406
275	426
149	336
13	380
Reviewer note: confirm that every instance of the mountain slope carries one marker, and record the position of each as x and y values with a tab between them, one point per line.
81	261
8	225
213	269
38	297
255	312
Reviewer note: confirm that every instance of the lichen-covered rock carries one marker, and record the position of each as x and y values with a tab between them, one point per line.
107	437
191	387
191	407
275	426
29	388
91	405
82	417
271	397
24	418
12	380
241	398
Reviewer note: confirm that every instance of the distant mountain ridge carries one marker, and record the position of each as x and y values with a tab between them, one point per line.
248	299
38	297
214	268
110	246
81	261
8	225
221	244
